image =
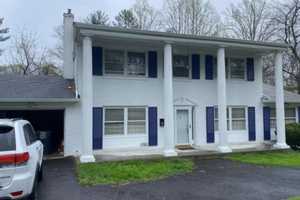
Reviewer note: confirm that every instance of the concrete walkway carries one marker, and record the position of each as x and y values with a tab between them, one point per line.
213	179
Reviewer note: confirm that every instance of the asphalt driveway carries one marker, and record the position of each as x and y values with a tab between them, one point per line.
213	179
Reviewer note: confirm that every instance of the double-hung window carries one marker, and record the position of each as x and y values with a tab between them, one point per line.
125	121
114	121
236	69
114	61
136	121
290	116
216	119
122	62
136	63
272	118
181	67
236	118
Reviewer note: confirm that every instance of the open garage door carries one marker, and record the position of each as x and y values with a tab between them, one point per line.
48	123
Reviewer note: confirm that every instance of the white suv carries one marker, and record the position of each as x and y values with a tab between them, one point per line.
21	160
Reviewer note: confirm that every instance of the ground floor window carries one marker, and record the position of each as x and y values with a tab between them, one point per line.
290	116
236	118
124	121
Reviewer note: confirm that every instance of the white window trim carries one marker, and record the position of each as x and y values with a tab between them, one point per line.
104	121
125	64
285	118
229	68
125	130
189	64
228	76
237	119
229	128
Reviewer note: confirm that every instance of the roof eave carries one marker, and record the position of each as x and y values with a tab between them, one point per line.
38	100
88	29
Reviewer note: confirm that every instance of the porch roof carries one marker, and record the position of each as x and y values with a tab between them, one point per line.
270	96
155	36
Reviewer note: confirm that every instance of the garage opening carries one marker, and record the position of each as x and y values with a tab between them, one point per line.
49	125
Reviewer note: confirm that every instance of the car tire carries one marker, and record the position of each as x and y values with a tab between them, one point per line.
34	193
41	173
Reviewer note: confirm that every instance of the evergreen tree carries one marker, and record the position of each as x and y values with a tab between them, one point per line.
126	19
3	33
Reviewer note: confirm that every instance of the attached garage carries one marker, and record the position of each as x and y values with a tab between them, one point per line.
42	100
49	124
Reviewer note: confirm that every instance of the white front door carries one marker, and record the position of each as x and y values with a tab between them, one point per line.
183	126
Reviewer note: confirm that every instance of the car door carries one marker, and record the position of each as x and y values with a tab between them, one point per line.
34	146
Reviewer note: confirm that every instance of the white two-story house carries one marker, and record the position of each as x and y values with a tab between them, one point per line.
139	90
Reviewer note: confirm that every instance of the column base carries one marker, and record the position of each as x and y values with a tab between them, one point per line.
170	153
87	159
224	149
281	146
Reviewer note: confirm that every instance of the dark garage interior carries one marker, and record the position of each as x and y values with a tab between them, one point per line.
49	124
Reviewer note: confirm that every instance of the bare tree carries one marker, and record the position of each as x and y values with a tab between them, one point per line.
28	57
250	20
98	17
3	33
197	17
288	27
56	53
126	19
147	17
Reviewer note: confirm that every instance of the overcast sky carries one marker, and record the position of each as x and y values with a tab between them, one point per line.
41	16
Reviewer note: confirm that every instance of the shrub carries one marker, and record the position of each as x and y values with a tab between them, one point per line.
293	135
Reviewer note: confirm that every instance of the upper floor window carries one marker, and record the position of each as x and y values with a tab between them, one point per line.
236	69
114	61
181	66
121	62
136	63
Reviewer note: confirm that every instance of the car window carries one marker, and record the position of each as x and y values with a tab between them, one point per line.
29	133
7	138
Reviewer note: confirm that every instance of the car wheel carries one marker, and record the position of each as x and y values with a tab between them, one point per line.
41	173
34	193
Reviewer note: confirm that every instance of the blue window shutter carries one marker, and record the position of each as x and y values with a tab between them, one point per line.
267	123
97	128
210	129
209	71
152	126
250	69
152	64
195	66
97	54
251	123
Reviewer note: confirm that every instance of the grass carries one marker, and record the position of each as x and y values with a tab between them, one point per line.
131	171
273	158
294	198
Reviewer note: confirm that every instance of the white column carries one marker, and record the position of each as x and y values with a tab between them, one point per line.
87	102
222	106
280	121
169	149
68	40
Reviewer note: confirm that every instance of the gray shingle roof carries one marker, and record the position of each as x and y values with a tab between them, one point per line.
35	87
289	97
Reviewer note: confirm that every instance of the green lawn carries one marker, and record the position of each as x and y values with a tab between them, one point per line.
274	158
294	198
131	171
